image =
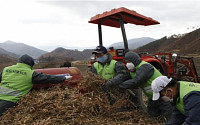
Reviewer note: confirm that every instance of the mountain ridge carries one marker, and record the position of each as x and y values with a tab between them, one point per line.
62	54
4	52
21	49
180	44
133	43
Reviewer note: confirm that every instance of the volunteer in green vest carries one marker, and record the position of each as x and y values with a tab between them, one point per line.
111	70
17	80
184	96
141	75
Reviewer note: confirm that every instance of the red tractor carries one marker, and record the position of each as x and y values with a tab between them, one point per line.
167	63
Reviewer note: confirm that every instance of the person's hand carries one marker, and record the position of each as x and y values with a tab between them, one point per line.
107	86
68	77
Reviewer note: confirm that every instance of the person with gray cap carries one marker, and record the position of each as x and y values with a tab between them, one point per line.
184	96
111	70
17	80
141	75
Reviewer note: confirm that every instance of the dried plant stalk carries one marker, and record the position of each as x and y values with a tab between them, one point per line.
63	105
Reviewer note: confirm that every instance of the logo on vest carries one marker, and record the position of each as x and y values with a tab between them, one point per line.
191	85
16	71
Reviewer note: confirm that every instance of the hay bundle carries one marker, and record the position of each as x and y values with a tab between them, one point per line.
61	105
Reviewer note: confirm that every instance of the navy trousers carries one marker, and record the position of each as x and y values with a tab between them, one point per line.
5	105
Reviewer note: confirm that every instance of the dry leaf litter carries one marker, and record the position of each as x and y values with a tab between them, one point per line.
62	105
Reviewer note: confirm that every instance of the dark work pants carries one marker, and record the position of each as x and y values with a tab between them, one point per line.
159	108
5	105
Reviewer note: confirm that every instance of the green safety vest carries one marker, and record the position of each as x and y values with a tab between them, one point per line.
107	71
16	82
185	88
146	87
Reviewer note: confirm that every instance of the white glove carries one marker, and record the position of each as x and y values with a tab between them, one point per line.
68	77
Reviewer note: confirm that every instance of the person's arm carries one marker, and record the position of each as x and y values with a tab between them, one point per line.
93	70
121	74
177	118
192	108
142	75
1	75
40	78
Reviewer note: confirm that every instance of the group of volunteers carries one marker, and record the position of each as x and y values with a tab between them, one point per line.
177	101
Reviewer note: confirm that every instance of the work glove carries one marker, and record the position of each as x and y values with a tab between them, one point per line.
68	77
108	85
125	85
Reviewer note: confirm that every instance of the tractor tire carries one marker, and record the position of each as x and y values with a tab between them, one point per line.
138	98
142	100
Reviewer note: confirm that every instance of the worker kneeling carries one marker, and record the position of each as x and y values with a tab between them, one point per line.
184	96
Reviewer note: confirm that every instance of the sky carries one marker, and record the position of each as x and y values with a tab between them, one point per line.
48	24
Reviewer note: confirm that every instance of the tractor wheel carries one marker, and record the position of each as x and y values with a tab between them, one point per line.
138	98
142	100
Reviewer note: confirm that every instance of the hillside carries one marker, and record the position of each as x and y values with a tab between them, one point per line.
6	60
186	44
4	52
133	43
156	46
21	48
66	55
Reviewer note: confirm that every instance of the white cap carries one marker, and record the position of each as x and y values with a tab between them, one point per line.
159	84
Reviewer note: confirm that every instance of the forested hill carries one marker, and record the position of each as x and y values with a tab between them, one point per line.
183	44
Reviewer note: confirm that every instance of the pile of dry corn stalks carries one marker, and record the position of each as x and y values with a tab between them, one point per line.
60	105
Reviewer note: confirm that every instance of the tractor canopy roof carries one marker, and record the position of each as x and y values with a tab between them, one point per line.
111	18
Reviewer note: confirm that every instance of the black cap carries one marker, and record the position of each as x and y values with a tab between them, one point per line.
100	49
27	60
